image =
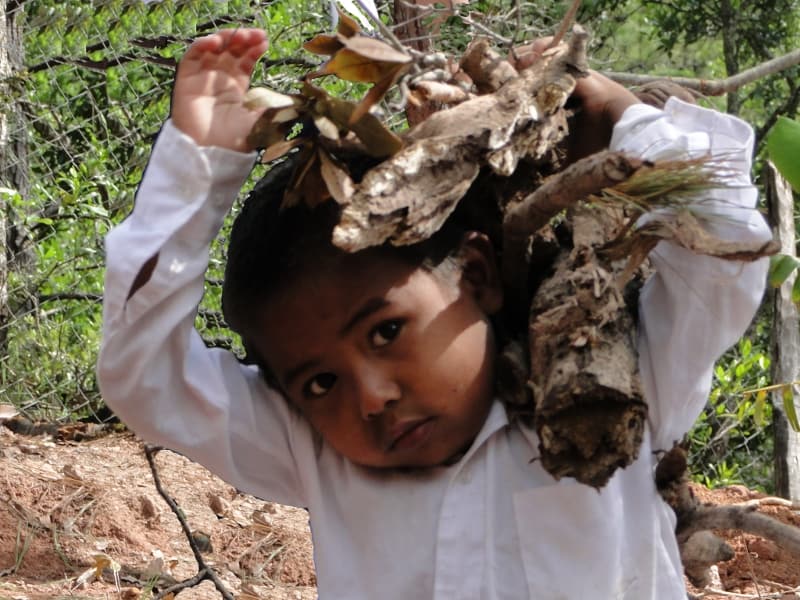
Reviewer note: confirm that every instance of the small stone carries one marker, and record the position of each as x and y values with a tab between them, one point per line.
203	542
147	507
218	505
765	549
70	472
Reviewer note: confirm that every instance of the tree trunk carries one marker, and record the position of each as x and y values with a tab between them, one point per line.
785	337
13	150
728	15
408	28
5	71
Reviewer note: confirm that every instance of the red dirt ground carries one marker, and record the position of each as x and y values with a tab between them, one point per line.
67	507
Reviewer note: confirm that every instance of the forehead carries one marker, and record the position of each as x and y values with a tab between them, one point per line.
332	287
316	306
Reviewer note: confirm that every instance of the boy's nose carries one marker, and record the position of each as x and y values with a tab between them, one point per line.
376	391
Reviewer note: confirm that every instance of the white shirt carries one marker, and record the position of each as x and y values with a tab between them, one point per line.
493	526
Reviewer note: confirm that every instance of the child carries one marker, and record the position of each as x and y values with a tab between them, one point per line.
373	406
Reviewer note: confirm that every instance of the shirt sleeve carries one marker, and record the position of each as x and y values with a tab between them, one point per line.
154	370
694	307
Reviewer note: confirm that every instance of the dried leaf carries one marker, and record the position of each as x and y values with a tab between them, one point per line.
377	139
275	151
103	561
327	128
85	578
375	50
337	180
307	184
437	91
325	45
266	131
352	66
346	26
375	94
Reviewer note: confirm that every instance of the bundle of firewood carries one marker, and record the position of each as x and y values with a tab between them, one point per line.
493	155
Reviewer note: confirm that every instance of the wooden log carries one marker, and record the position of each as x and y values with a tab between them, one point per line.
589	407
785	339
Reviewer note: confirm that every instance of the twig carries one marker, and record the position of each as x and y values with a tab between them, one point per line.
716	87
750	566
566	23
486	31
742	518
771	501
204	571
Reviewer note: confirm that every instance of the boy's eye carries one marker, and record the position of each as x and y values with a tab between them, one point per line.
319	385
384	333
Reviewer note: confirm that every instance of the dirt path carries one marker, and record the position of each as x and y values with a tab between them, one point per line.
62	505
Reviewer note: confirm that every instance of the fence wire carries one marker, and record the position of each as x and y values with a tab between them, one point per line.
85	88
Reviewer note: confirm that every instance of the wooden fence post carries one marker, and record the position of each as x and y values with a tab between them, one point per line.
785	339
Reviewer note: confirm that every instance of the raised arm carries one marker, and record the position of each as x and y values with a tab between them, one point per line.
154	370
694	307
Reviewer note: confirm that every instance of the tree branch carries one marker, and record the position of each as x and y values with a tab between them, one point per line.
204	571
716	87
61	296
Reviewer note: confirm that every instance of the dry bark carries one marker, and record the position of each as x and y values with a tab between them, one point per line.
589	409
498	155
408	197
785	338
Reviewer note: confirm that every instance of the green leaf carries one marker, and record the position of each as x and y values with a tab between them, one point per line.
789	408
780	267
796	291
783	144
758	407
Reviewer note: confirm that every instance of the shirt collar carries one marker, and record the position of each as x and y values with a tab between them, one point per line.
495	421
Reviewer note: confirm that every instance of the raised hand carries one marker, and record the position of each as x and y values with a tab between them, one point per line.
597	103
210	84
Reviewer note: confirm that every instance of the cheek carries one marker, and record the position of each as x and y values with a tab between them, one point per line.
334	418
467	362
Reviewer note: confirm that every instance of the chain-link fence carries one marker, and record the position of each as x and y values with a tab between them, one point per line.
85	87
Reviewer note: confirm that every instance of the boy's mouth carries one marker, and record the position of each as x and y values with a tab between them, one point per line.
411	434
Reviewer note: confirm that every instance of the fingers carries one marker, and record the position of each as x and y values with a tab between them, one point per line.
656	93
245	44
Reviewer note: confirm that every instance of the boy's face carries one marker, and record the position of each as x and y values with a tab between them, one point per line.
391	364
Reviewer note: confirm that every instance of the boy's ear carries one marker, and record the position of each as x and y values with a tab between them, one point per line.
479	273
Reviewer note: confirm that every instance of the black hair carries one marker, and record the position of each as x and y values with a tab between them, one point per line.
271	246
